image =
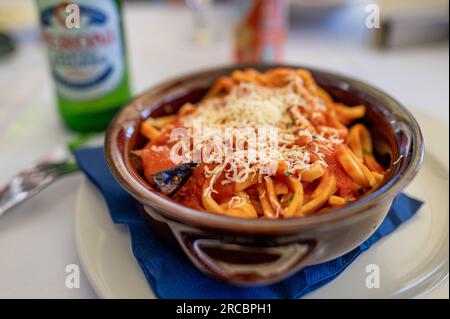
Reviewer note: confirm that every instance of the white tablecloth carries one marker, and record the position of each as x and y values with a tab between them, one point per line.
37	238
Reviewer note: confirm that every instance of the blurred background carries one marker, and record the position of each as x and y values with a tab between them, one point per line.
400	46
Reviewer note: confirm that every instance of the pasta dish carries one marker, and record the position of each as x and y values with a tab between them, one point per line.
261	145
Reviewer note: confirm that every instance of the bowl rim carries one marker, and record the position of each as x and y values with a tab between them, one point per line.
183	214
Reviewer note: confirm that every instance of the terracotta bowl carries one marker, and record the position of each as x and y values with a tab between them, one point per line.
249	252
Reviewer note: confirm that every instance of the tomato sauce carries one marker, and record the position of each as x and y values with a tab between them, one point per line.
155	162
190	194
346	186
224	192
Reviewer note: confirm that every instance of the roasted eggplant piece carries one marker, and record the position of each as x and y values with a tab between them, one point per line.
169	181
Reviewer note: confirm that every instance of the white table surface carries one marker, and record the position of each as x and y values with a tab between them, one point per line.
37	238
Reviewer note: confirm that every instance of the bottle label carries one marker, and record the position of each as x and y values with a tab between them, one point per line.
86	57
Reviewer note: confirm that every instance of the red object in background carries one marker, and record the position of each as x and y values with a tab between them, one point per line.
260	33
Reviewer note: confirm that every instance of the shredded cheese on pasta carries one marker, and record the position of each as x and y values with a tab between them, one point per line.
250	105
277	139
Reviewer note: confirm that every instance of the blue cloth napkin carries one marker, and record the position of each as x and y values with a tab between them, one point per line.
170	273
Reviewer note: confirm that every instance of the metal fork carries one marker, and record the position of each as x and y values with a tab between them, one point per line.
30	182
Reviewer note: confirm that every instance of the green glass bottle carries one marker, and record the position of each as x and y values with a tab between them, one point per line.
86	48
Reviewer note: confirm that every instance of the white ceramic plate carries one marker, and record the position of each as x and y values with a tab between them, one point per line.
412	261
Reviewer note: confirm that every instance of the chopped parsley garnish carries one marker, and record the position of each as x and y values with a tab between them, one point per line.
288	173
287	200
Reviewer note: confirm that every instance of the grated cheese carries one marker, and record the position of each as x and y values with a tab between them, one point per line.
253	106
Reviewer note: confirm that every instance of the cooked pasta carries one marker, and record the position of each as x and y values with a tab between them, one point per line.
318	156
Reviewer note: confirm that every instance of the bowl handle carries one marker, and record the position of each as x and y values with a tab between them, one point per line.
237	263
245	265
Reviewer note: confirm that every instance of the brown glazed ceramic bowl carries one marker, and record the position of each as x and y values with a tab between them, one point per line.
248	252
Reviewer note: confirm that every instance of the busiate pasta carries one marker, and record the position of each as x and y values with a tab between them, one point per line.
322	158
